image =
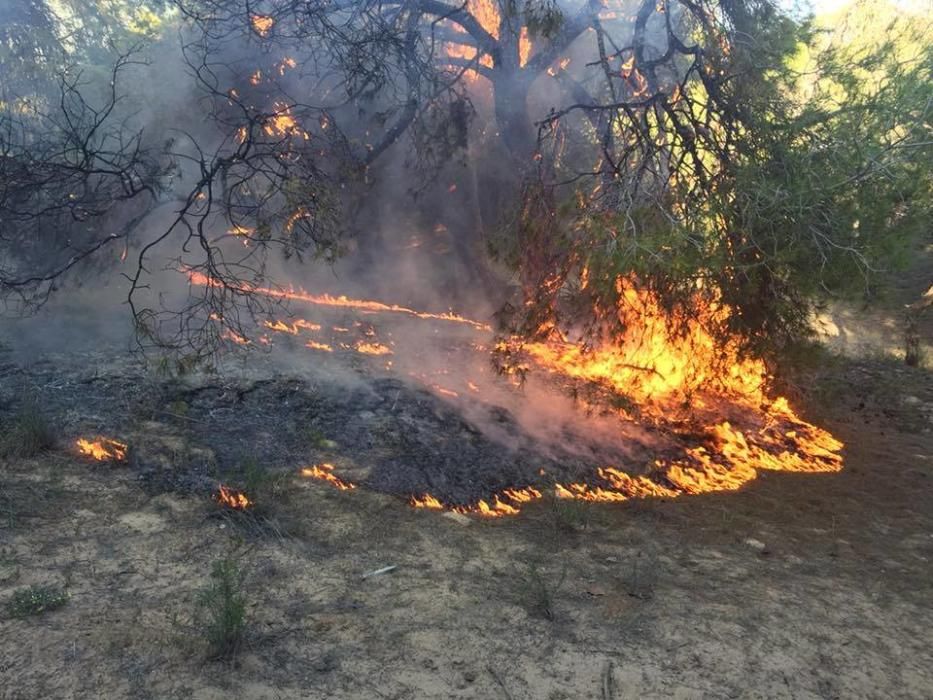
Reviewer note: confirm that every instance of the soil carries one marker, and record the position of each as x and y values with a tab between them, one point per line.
796	586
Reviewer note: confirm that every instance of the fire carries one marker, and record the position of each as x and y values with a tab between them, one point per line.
291	328
651	367
286	63
325	472
232	498
373	349
426	501
298	215
262	24
102	449
709	400
282	123
200	279
487	15
234	337
496	507
324	347
680	384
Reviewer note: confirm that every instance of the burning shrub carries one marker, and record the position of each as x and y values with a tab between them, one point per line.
221	614
27	434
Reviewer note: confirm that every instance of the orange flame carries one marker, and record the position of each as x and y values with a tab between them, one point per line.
486	13
232	498
705	394
282	123
373	349
293	327
324	472
426	501
102	449
200	279
262	24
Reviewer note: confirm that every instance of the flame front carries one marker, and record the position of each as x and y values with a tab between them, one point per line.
200	279
102	449
706	398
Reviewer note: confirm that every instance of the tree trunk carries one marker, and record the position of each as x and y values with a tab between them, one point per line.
511	105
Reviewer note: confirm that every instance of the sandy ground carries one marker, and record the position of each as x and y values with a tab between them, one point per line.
798	586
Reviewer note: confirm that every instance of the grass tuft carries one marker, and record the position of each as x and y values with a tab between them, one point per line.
27	433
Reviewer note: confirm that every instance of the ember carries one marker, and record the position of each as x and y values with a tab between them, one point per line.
102	449
262	24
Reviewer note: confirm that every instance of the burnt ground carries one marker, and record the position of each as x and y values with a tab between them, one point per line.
188	434
797	586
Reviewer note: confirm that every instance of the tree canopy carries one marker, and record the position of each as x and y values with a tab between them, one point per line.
715	152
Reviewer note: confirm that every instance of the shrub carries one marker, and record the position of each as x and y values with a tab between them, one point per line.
28	433
222	609
35	600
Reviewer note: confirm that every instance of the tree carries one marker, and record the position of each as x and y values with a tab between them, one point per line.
672	145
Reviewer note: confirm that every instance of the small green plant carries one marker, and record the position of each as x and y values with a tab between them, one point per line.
256	478
27	433
318	439
35	600
536	594
222	609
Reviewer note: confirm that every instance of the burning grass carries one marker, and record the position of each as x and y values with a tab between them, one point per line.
703	399
325	472
233	499
102	449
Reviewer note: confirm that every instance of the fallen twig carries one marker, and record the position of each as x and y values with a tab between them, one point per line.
379	572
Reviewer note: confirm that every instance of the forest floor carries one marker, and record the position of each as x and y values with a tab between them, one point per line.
796	586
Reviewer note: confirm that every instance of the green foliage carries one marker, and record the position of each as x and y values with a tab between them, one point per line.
221	611
802	173
35	600
543	18
260	484
26	434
